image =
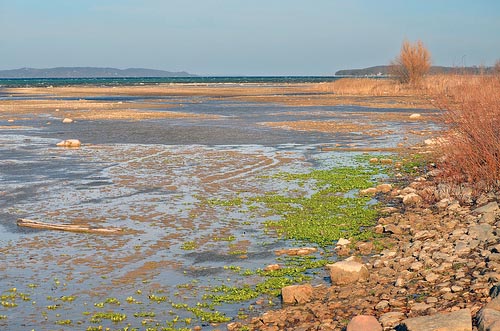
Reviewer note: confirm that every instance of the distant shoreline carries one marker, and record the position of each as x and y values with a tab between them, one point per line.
133	81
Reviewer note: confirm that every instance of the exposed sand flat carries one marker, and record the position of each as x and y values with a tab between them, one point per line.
301	94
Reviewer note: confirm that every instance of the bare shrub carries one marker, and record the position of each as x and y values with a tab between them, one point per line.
472	110
412	63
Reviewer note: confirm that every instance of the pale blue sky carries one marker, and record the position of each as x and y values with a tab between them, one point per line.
244	37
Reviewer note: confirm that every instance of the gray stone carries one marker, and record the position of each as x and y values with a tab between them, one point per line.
347	272
382	305
364	323
391	319
459	320
493	304
483	232
488	320
461	248
489	218
491	207
420	307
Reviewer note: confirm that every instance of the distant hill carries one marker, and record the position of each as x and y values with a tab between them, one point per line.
88	72
384	71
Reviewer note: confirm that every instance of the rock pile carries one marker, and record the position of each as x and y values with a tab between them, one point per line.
441	258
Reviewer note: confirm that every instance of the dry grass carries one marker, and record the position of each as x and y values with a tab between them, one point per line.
471	107
367	87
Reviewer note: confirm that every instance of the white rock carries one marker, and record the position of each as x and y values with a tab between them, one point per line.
72	143
343	242
67	120
415	116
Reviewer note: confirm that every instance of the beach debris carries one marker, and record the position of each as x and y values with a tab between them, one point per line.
415	116
67	120
71	143
67	227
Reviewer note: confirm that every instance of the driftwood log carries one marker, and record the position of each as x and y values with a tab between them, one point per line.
67	227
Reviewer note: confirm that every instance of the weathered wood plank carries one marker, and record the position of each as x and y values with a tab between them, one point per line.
67	227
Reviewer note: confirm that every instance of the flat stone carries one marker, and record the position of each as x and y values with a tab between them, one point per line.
493	304
364	323
431	277
368	191
343	242
462	248
412	199
391	228
491	207
489	218
382	305
297	293
483	232
424	234
421	306
488	319
459	320
415	116
347	272
391	319
67	120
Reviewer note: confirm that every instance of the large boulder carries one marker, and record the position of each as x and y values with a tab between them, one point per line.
459	320
297	293
347	272
364	323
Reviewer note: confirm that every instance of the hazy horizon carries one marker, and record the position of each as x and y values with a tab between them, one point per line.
237	38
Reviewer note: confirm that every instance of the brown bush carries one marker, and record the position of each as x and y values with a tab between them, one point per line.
472	110
412	63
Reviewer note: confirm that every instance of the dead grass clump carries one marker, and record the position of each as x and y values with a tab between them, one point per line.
472	110
366	87
412	63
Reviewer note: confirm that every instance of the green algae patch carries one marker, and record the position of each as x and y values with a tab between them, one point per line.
333	211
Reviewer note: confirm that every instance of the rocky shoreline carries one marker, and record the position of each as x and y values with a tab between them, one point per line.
439	270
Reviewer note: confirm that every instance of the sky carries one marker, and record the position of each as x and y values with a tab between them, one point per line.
244	37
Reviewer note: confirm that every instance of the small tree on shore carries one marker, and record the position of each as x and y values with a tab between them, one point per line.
412	63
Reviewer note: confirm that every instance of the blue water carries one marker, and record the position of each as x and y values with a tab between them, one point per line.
43	82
